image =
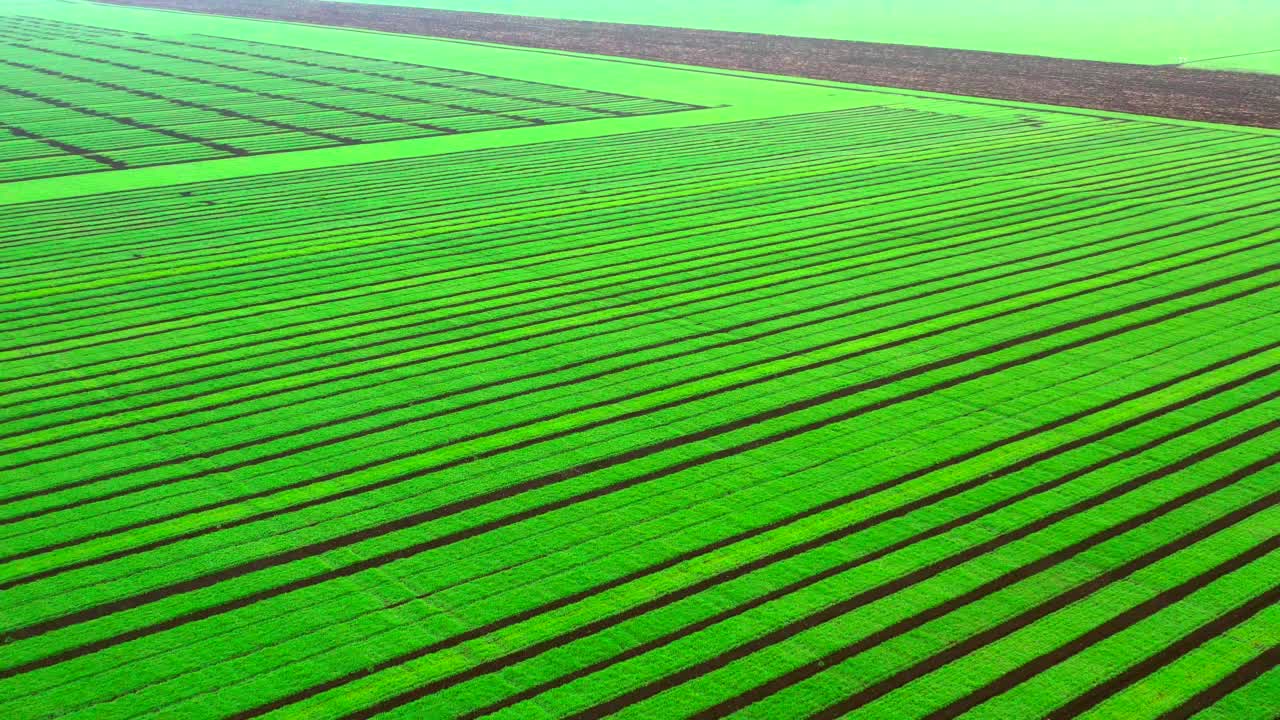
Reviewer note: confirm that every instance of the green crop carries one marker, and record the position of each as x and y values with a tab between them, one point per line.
757	397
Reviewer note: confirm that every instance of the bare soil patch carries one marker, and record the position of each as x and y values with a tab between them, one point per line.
1173	92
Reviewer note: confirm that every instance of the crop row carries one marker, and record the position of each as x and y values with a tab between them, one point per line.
878	411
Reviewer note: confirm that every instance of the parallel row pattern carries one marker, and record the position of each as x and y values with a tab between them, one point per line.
878	412
76	99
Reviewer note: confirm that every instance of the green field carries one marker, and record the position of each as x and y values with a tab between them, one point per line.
1148	32
618	389
115	99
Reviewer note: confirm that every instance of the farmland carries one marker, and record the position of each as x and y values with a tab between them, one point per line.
250	99
1146	32
1209	90
352	375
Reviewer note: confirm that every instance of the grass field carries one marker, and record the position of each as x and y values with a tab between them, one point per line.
1148	32
762	399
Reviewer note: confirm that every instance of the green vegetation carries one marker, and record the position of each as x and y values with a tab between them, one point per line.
1149	32
187	98
768	399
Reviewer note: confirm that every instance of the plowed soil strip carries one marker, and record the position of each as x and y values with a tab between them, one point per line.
1175	92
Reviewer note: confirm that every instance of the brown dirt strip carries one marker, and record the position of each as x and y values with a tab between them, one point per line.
88	614
1208	95
880	592
1210	696
811	580
779	556
253	518
1169	654
1184	645
61	146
